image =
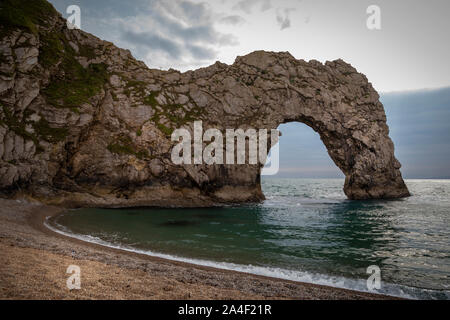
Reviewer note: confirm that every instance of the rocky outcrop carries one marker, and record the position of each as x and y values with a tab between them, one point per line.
82	123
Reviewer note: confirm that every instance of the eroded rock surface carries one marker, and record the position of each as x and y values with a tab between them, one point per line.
82	123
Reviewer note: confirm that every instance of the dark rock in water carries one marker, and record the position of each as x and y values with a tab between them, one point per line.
178	223
82	123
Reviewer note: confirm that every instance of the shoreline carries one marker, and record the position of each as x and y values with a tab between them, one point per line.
184	278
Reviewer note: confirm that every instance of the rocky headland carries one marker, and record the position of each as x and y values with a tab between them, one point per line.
83	123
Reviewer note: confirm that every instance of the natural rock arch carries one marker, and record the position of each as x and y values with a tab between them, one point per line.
109	144
333	99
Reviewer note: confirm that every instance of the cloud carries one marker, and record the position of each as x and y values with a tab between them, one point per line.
154	42
201	53
172	34
232	20
283	17
248	5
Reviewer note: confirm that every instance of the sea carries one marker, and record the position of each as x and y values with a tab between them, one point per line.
305	231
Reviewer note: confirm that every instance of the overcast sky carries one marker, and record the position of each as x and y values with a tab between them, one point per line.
411	51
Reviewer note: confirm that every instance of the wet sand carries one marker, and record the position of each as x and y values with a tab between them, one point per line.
34	261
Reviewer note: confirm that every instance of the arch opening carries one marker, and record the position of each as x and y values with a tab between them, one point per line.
303	154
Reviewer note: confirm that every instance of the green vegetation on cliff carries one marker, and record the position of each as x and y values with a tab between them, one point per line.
124	146
78	85
16	125
150	100
176	115
73	84
25	14
43	129
29	130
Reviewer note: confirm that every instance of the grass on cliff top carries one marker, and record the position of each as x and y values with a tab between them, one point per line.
25	14
77	84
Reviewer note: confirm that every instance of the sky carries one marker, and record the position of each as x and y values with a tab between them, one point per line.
408	54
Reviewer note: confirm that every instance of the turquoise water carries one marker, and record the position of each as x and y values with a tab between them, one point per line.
306	230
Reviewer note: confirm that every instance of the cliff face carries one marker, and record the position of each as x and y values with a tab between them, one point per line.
82	123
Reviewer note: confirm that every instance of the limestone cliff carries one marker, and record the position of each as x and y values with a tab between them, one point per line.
82	123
